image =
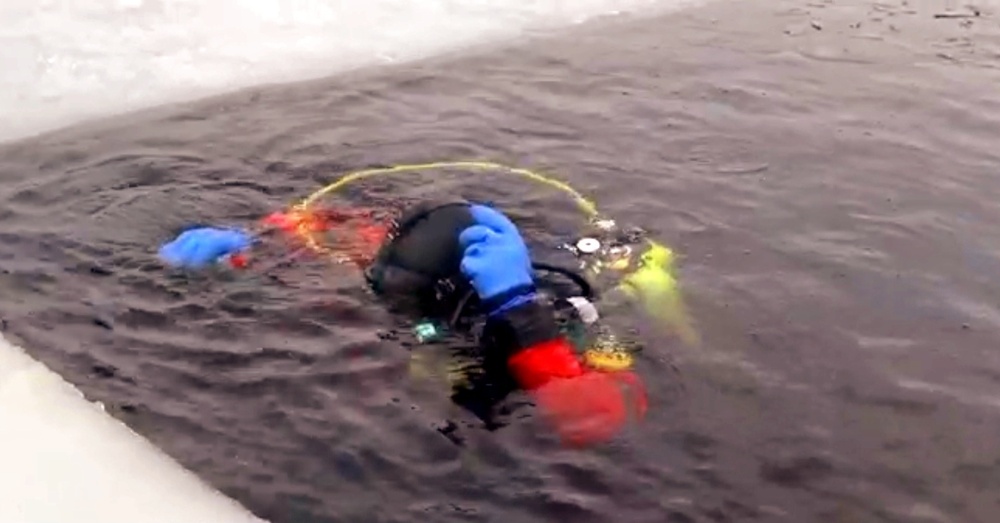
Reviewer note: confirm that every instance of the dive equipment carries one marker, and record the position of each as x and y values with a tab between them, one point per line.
616	260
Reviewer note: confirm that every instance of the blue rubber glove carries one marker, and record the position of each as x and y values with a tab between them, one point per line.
203	246
496	260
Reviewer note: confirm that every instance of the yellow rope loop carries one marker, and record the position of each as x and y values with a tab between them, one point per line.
587	206
665	286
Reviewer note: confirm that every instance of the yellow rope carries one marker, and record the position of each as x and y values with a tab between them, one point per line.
587	206
616	358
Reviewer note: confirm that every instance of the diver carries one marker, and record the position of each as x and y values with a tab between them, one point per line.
456	262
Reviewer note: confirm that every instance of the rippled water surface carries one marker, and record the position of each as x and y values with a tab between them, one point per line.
827	171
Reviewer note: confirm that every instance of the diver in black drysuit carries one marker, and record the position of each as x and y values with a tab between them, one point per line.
467	265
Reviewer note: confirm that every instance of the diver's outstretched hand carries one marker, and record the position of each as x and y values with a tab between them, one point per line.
197	248
496	259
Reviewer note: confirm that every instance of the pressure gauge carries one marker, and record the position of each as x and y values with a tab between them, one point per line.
588	245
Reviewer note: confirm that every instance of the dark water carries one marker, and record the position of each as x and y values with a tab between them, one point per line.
827	170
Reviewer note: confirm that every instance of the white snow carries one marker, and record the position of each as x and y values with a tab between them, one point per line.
63	61
64	460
